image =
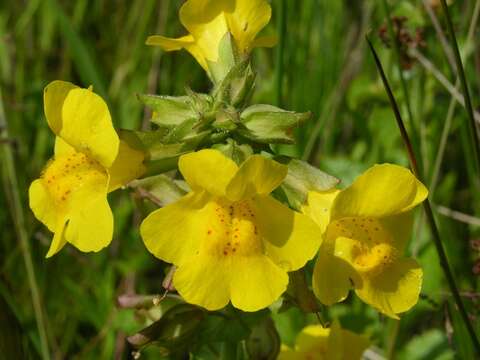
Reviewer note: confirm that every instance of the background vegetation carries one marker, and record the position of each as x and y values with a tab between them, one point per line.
324	66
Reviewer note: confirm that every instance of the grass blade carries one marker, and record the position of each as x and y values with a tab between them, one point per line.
16	209
279	55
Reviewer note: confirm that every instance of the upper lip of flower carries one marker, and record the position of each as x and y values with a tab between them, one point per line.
207	27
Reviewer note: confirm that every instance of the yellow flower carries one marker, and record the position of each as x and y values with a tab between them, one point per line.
209	20
318	343
365	228
229	239
70	197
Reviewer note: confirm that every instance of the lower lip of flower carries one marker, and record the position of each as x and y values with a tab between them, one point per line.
65	174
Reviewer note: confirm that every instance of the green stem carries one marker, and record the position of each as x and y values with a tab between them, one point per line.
466	92
280	51
16	209
406	95
426	205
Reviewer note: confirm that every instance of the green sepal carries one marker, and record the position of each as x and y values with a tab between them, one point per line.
302	178
142	140
236	85
227	58
161	151
161	188
189	129
269	124
169	111
301	293
160	144
241	87
201	103
264	341
236	152
226	119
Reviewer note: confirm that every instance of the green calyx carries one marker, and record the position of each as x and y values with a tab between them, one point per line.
222	119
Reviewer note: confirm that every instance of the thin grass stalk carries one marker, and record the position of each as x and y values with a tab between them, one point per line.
440	34
406	95
280	51
16	210
466	92
451	109
426	205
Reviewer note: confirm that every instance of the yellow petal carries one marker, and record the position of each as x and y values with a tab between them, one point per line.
59	240
344	344
395	290
185	42
256	176
319	206
383	190
175	232
42	205
205	20
256	282
399	228
333	277
87	126
290	238
62	148
71	199
197	53
207	170
90	225
246	21
127	166
205	281
170	44
354	345
312	337
54	95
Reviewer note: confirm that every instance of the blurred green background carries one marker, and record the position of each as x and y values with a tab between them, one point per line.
327	69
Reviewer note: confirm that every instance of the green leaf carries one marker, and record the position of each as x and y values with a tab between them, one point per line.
432	344
173	330
229	325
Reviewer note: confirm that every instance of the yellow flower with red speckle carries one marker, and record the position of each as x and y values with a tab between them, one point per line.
365	229
229	239
70	197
